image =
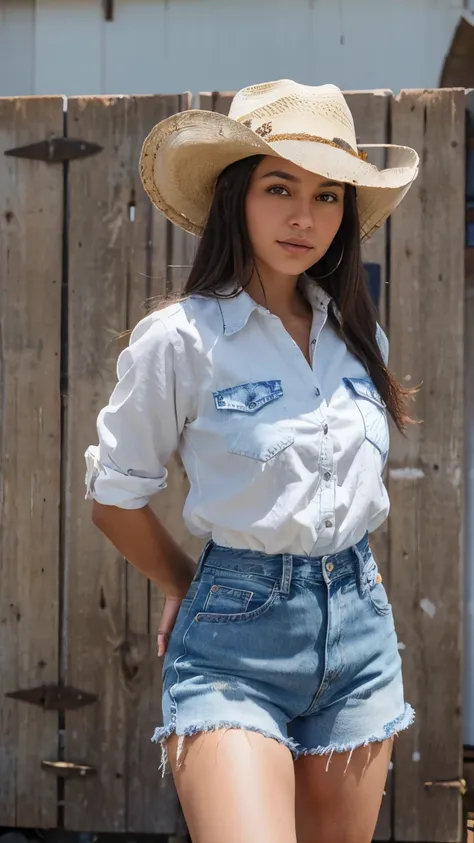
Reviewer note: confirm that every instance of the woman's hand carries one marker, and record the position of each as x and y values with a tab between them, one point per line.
167	622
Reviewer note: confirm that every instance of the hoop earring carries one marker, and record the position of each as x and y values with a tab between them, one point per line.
320	277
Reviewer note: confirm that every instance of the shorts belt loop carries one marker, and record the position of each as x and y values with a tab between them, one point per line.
361	579
286	574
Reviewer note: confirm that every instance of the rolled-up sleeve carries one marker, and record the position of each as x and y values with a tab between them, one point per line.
141	426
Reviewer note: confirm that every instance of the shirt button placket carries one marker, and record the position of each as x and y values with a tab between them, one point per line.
327	486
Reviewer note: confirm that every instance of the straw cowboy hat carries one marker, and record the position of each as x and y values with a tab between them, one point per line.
183	155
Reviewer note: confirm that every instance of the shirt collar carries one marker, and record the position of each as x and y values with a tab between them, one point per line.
236	310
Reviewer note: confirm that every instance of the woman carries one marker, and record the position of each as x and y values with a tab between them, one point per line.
282	688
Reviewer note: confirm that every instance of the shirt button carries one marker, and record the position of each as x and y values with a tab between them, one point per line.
325	430
317	392
328	523
252	405
327	475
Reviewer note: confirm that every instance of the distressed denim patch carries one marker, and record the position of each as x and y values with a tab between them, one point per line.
248	397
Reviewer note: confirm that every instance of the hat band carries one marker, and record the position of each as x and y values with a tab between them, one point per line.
315	139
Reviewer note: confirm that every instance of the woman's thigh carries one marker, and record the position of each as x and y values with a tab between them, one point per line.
338	797
235	786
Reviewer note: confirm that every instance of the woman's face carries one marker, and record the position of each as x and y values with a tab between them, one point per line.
292	215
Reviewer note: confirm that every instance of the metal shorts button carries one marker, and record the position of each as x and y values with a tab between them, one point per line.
329	567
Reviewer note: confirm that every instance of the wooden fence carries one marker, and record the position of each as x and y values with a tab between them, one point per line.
80	251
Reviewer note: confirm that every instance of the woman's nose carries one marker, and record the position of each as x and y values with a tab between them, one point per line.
302	216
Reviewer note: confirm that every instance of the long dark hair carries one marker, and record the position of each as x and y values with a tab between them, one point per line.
224	257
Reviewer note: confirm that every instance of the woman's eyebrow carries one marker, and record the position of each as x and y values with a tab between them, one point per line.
331	184
280	174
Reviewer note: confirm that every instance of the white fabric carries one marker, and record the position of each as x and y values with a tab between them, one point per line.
223	382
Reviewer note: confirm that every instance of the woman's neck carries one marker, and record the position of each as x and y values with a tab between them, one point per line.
278	293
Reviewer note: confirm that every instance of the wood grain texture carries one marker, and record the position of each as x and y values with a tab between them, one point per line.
31	204
370	110
426	469
117	260
152	804
222	101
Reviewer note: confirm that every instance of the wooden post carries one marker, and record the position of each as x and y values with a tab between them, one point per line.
426	468
117	259
31	207
370	110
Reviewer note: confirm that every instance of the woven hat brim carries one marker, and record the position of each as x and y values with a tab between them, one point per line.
183	156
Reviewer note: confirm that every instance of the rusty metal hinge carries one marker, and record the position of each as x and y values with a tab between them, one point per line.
54	697
68	770
56	150
455	784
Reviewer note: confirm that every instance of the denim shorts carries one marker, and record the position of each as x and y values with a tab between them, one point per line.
300	649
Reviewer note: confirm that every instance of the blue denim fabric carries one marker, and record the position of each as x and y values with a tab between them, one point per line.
300	649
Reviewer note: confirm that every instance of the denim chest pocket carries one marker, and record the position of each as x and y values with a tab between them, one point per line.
373	412
249	424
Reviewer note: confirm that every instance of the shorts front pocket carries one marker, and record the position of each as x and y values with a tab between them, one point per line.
222	599
251	426
374	587
229	598
379	599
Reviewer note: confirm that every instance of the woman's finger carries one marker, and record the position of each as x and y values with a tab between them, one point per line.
167	622
163	638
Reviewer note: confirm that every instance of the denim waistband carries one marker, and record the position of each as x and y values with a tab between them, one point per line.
343	563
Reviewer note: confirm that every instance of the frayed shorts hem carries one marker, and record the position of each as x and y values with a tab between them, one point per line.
390	730
162	734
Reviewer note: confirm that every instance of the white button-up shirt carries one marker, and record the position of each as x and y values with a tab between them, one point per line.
281	456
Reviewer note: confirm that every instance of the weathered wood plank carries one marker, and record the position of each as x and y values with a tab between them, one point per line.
222	101
111	631
152	804
95	600
370	110
425	483
31	205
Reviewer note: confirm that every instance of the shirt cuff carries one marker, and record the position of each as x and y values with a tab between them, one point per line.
113	488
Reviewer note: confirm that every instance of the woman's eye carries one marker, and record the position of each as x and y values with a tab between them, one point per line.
278	190
327	197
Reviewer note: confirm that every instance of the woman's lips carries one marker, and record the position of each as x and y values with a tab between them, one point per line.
295	248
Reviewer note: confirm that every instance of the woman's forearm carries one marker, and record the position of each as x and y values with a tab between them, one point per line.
141	538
